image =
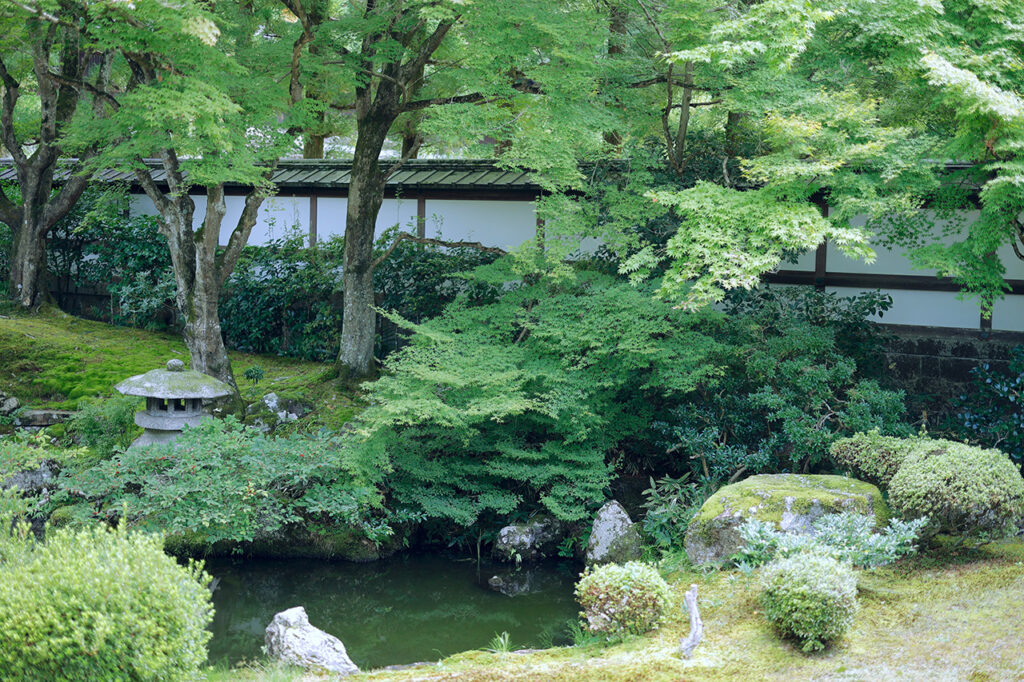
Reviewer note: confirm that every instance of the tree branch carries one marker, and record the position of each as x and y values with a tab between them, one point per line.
406	237
427	48
243	228
440	101
410	153
10	99
686	646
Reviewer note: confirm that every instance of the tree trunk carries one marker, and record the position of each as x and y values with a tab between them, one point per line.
203	336
365	195
27	282
313	146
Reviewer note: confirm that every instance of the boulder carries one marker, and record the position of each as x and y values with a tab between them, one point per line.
531	541
792	501
33	481
291	639
614	538
8	404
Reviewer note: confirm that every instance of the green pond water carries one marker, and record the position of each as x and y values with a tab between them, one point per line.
407	609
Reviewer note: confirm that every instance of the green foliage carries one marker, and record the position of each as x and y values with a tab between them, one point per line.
220	481
22	451
871	456
254	374
991	413
285	299
417	281
716	224
846	537
791	383
669	507
105	426
102	246
102	604
536	399
630	598
496	406
810	597
963	490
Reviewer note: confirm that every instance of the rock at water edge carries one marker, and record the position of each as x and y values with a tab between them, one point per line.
291	639
614	537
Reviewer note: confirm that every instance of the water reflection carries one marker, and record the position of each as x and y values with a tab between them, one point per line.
410	608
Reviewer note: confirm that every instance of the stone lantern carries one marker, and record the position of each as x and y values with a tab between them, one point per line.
174	399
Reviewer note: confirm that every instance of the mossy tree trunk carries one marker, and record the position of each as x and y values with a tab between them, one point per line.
378	104
200	267
60	69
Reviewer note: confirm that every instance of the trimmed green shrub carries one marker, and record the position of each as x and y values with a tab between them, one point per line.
630	598
962	489
871	456
809	597
102	604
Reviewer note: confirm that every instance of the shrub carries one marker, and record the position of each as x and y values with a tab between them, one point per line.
669	507
105	426
100	604
963	490
538	399
991	413
221	481
871	456
809	597
630	598
845	537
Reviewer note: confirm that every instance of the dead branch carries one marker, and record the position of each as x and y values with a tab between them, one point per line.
407	237
686	646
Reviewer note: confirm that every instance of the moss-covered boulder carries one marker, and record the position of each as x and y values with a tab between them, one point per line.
791	501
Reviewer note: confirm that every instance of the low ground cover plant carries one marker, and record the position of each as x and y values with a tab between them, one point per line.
623	599
98	604
849	538
810	597
104	426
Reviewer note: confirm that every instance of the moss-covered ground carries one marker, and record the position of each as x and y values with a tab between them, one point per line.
942	616
53	360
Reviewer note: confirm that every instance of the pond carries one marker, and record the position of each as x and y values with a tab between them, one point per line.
414	607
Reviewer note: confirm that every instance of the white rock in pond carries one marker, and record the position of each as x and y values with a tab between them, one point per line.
293	640
613	538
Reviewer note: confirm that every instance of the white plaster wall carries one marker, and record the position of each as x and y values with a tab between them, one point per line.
928	308
1008	314
889	261
276	217
505	224
330	216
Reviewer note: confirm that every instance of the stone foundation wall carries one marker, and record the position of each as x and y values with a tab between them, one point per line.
933	364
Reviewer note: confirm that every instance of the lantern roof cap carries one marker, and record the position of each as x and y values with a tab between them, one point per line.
174	382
